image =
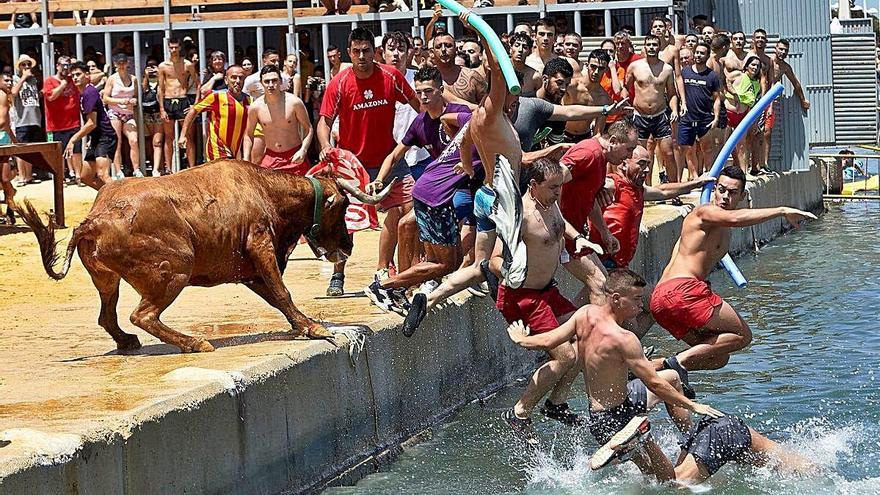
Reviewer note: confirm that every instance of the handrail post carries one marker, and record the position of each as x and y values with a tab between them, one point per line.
230	47
47	56
142	151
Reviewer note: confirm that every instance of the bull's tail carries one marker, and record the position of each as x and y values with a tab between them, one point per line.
46	238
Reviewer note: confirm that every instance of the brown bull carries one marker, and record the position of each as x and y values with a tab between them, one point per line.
225	222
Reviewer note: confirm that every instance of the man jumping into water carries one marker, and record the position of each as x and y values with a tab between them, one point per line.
607	352
683	303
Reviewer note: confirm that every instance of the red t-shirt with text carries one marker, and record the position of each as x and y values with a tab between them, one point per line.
62	114
588	167
366	111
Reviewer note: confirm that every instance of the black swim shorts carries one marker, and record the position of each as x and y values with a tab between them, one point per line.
605	424
657	126
576	138
437	224
716	441
102	145
64	138
176	108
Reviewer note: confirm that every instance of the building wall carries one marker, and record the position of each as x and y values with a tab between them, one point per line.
806	24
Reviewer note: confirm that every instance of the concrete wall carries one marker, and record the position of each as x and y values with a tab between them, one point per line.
298	425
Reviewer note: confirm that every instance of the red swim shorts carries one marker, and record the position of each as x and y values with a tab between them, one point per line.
537	308
282	162
769	119
683	304
733	118
401	193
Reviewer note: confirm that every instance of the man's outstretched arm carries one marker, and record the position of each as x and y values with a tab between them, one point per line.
715	215
519	333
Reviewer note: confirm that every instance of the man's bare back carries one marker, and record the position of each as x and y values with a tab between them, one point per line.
651	84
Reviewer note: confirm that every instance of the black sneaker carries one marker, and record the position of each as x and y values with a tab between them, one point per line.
561	413
337	281
417	311
676	202
521	427
379	296
671	363
664	178
399	302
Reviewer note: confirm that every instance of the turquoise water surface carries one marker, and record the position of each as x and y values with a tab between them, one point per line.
809	380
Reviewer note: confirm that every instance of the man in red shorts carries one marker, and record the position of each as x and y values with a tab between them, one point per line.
538	303
588	163
683	303
363	97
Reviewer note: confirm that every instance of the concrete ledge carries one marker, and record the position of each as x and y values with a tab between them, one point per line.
295	423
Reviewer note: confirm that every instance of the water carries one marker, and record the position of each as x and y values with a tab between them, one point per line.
809	379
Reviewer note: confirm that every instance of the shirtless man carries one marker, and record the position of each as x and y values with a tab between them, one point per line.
462	85
608	353
655	92
715	138
7	136
521	46
176	76
734	64
287	131
683	303
545	38
586	89
334	56
779	68
671	54
538	302
572	44
759	149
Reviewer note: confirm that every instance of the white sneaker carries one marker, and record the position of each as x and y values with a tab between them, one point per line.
119	175
381	275
428	287
137	173
157	172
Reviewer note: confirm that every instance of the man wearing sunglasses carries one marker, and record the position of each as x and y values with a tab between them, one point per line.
61	98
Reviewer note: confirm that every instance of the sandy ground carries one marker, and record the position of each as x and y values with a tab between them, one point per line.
60	371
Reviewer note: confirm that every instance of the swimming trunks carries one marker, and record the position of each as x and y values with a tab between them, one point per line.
401	191
688	132
282	161
605	423
484	199
64	137
573	138
507	213
537	308
101	146
768	119
716	441
4	138
437	224
734	118
176	108
683	304
657	125
463	201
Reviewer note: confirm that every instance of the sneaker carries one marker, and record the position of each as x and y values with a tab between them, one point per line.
380	297
399	302
480	290
137	173
671	363
428	287
561	413
337	281
157	172
521	427
622	444
663	178
382	274
417	311
119	175
676	202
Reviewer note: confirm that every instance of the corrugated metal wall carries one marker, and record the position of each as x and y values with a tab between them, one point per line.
806	24
855	88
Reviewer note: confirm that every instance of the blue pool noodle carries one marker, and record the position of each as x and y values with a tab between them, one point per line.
495	44
721	159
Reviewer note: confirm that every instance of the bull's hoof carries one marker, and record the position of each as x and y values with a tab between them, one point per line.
318	331
197	346
128	342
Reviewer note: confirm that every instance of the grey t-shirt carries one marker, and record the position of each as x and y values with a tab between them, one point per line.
532	115
26	106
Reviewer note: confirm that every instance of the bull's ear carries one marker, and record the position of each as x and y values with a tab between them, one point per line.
330	200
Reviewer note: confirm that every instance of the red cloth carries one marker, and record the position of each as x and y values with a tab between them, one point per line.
605	82
359	216
623	217
588	165
366	110
537	308
734	118
62	114
769	118
683	304
282	162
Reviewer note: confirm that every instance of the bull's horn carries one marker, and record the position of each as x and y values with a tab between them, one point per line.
370	199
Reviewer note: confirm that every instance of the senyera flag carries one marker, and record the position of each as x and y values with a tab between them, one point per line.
347	167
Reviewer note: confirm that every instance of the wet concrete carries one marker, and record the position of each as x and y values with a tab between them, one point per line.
277	414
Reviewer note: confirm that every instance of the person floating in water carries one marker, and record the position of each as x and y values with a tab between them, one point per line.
607	353
683	303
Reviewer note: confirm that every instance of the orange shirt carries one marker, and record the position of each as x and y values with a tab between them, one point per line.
621	76
227	125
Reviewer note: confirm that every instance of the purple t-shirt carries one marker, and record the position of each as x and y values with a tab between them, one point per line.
427	133
90	101
439	181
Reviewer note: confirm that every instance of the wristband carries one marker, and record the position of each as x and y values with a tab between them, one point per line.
605	109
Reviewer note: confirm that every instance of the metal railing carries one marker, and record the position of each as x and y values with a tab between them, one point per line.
863	187
856	26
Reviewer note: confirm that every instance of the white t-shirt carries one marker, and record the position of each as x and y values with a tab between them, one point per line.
253	88
402	120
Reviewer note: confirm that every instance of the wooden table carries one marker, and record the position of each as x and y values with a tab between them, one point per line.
46	156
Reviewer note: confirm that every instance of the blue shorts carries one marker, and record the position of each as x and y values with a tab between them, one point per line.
609	264
4	138
437	224
688	132
484	199
463	200
419	168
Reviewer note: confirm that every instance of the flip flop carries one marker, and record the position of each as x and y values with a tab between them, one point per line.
671	363
622	444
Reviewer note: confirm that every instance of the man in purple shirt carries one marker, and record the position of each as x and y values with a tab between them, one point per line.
433	193
96	124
